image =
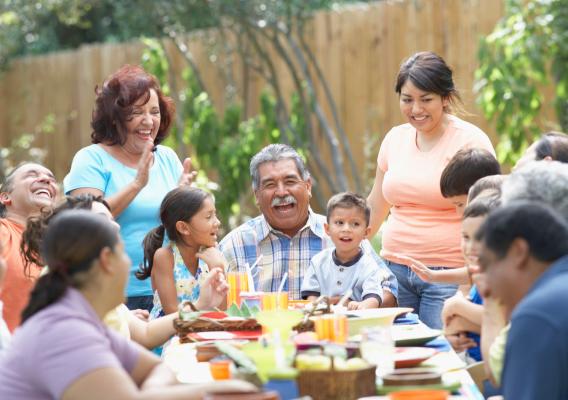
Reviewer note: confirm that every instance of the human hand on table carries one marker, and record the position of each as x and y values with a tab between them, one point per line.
230	385
460	342
213	290
460	324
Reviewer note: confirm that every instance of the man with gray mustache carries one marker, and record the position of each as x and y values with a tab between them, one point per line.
287	233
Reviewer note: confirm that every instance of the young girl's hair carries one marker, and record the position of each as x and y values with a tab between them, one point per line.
72	241
180	204
36	226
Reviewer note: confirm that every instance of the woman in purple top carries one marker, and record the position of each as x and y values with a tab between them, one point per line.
63	350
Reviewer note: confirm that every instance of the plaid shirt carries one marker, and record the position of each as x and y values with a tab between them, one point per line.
281	253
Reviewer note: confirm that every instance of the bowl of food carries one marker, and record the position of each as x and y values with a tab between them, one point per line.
357	320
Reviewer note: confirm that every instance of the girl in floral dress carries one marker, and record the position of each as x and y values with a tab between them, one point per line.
179	269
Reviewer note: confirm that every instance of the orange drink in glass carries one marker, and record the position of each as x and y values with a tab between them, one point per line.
332	328
238	282
220	369
274	301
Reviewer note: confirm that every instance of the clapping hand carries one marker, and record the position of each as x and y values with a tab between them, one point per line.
143	167
188	175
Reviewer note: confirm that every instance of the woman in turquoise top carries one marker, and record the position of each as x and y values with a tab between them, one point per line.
177	271
126	165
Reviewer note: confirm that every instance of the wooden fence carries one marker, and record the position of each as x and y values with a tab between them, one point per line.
358	47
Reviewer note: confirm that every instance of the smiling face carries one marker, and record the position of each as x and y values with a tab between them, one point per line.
143	123
424	110
347	228
500	277
33	187
283	196
202	229
470	246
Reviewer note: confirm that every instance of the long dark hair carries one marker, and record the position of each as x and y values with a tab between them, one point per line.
180	204
72	241
36	226
430	73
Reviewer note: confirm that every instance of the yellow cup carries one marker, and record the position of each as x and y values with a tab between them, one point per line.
238	282
274	301
331	327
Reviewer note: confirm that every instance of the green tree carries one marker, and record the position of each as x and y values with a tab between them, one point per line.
527	51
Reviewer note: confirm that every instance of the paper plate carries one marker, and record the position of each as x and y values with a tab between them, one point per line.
225	335
406	357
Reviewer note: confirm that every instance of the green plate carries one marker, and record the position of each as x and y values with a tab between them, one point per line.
450	387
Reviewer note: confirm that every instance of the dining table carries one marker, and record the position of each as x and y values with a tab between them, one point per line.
181	358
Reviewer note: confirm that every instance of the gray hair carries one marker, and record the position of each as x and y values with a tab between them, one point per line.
539	181
8	185
274	153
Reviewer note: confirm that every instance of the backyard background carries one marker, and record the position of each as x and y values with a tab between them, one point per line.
358	47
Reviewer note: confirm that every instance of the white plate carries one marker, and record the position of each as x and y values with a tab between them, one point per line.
198	373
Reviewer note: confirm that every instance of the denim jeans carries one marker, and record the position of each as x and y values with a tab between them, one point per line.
427	299
140	302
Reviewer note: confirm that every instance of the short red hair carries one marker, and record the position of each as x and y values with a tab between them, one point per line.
114	104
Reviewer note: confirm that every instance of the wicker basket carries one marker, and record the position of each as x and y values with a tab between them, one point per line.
338	385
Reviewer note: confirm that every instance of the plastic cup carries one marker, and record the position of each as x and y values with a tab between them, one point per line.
331	327
274	301
238	282
220	369
252	299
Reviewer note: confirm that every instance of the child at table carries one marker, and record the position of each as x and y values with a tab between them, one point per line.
334	271
179	269
464	314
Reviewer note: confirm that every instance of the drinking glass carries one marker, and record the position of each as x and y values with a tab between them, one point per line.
377	348
238	282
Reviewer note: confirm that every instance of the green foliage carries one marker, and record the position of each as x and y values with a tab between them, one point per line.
528	47
221	144
22	147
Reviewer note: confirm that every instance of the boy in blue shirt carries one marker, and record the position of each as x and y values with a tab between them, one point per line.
334	271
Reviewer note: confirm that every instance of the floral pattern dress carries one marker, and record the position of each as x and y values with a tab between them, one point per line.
187	284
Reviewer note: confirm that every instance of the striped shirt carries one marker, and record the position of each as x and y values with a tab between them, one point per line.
281	253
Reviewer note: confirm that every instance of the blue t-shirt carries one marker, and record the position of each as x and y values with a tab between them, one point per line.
536	355
475	352
93	167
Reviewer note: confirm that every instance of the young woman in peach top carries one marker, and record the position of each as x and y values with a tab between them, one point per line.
422	223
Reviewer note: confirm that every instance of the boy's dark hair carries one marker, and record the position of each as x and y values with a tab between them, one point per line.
543	228
554	145
481	207
491	182
465	168
349	200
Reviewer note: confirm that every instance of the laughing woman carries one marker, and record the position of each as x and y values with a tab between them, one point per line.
422	223
63	350
126	163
